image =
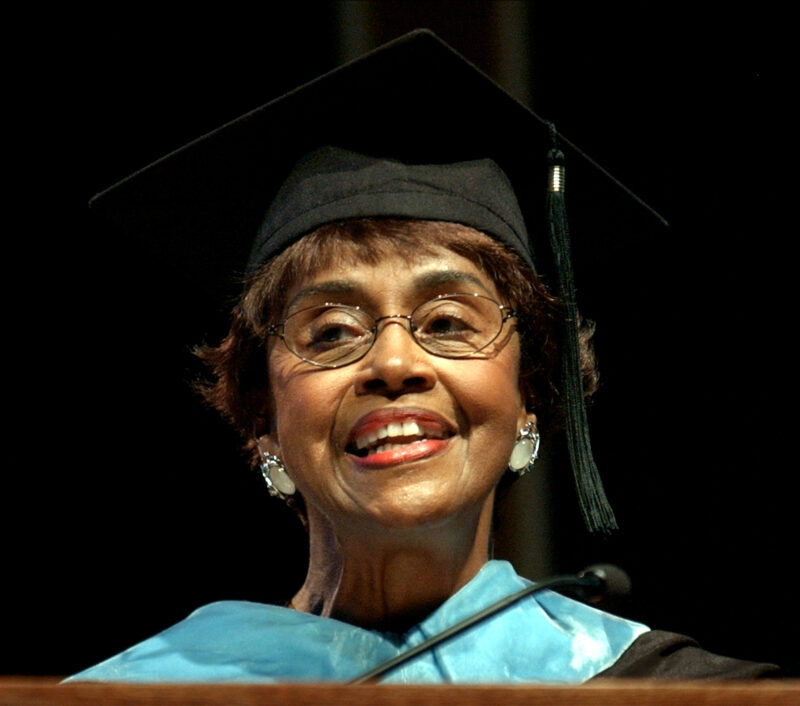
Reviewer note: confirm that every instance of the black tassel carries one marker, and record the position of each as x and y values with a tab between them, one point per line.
595	508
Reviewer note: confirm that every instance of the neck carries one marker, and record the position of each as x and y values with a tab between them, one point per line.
391	579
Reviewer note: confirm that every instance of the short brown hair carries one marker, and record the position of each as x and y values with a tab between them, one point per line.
240	382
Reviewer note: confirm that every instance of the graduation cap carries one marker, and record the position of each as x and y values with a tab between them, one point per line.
414	101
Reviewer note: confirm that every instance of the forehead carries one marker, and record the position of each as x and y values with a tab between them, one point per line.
396	277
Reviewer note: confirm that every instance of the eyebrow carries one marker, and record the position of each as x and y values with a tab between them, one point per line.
336	286
436	278
427	280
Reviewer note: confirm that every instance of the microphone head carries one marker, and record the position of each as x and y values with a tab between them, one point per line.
614	582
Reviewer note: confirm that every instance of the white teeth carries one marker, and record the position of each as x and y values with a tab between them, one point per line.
411	429
395	429
391	447
363	441
406	430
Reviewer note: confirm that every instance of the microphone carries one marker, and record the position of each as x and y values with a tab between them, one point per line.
589	586
597	582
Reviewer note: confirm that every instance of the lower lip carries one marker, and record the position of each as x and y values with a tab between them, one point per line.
406	454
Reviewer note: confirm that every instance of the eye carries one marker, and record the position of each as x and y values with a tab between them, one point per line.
449	319
444	325
329	328
332	334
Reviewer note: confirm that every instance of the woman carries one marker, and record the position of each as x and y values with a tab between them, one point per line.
407	434
390	362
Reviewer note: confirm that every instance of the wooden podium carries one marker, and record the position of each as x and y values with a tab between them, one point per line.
47	692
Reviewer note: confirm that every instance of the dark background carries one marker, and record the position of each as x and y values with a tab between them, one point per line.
130	505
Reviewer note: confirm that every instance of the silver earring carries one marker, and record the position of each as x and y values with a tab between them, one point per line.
277	479
526	450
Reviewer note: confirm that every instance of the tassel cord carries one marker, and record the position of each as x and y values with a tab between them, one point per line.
595	508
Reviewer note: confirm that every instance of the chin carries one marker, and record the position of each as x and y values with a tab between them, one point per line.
422	511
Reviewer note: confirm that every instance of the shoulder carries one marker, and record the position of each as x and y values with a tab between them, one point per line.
666	655
217	642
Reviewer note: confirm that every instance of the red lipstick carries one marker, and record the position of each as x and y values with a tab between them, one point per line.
393	415
396	435
414	451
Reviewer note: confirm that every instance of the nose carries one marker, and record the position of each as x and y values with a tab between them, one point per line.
395	364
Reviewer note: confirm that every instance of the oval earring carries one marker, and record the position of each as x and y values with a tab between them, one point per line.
526	450
279	484
275	476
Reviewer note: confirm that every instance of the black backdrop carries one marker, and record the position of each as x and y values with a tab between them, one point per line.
140	509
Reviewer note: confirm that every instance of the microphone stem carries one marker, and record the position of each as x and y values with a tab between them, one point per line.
588	581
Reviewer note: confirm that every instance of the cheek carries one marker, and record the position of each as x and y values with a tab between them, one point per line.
304	412
488	396
491	391
302	408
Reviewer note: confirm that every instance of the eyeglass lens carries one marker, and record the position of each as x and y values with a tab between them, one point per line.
452	326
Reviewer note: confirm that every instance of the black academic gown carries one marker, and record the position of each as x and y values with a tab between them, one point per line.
666	655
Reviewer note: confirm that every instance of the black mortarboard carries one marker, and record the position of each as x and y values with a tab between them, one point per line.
413	101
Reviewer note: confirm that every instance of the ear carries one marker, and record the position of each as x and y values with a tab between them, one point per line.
268	444
524	416
264	431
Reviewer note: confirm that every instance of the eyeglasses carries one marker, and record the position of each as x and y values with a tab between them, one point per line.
450	326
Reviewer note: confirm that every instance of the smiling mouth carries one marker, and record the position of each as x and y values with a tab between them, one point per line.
392	437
